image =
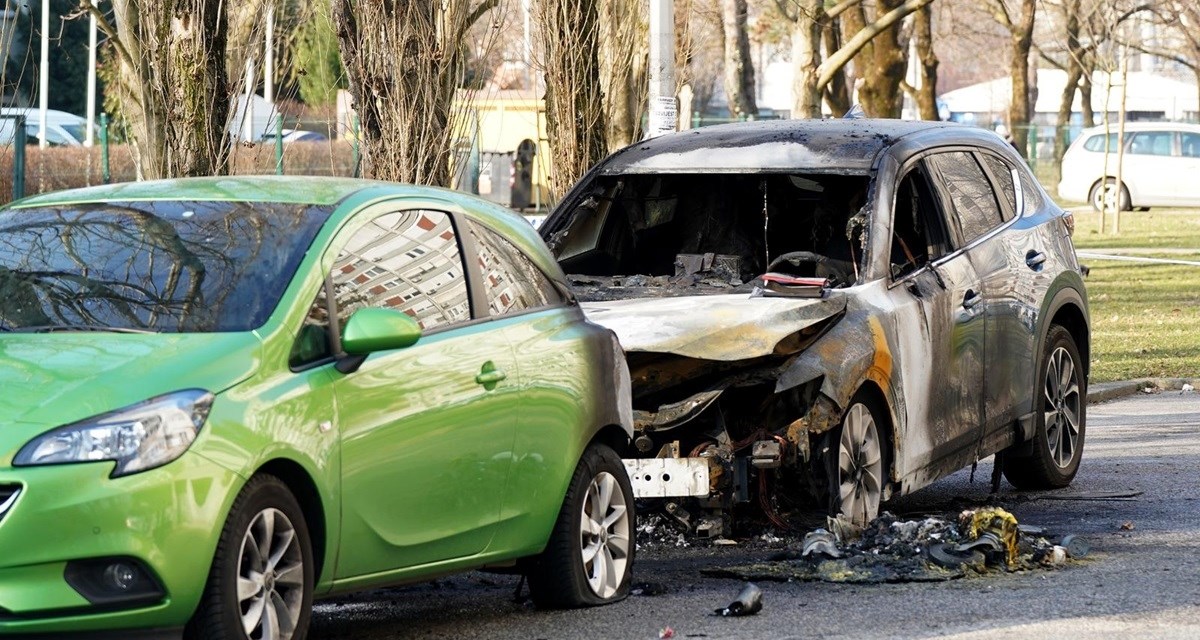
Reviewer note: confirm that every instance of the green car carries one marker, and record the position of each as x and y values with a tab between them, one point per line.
221	398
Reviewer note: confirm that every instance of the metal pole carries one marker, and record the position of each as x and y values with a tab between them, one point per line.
527	49
18	189
1121	136
105	170
357	153
269	57
89	135
248	114
278	146
44	75
664	116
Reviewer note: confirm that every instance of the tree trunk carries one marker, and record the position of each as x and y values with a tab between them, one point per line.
881	64
1085	96
574	107
926	95
404	62
1020	109
175	84
1074	74
837	93
623	68
806	59
739	69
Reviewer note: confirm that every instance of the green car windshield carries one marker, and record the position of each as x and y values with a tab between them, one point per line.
169	266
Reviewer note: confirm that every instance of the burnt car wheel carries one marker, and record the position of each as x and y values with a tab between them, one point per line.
1051	458
261	582
589	559
858	472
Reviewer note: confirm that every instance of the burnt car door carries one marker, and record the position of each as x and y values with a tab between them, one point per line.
935	295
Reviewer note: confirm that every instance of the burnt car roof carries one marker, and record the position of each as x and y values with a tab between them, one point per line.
772	145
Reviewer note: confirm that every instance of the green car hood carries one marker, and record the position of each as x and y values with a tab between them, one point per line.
51	379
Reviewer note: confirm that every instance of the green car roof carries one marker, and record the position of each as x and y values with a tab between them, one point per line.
315	190
293	189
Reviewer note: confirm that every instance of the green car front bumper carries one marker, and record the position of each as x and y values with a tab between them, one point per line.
70	522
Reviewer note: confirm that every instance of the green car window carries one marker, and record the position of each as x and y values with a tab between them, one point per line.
513	283
408	261
171	266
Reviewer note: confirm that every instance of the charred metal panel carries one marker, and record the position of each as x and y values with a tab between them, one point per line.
778	145
724	327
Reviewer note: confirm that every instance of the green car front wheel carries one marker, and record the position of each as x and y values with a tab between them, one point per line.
261	583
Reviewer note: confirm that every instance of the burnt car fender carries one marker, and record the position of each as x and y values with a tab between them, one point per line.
1065	304
853	352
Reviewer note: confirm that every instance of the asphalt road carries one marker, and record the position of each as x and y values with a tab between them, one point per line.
1139	582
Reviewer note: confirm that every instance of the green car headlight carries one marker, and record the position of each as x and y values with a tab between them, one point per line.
139	437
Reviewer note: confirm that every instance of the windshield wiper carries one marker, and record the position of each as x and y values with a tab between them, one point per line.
56	328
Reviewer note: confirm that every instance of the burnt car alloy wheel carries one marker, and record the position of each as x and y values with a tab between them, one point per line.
589	559
859	472
1051	458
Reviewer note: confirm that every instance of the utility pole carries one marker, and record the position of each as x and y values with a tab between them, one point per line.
269	57
664	116
248	113
44	75
89	135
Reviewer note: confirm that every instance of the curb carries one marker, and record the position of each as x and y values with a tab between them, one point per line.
1105	391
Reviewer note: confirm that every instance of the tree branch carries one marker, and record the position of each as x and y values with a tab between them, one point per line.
482	8
834	63
837	9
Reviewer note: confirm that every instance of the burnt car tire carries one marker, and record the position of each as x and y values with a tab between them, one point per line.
857	460
1051	458
262	573
589	559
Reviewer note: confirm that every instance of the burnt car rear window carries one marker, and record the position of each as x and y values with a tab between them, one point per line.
170	266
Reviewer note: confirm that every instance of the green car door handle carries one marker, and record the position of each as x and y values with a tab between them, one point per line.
490	376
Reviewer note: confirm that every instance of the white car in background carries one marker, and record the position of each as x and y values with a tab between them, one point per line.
1161	167
62	129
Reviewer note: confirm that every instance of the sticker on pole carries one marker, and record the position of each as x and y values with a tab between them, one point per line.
664	116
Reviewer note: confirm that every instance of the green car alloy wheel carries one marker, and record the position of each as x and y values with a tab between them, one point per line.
228	397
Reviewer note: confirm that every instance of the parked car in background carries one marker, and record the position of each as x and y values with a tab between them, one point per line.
1159	167
62	129
225	397
831	310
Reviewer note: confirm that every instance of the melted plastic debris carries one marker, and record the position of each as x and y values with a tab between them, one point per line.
926	550
656	530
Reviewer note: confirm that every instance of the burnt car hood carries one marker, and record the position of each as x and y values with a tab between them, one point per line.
722	327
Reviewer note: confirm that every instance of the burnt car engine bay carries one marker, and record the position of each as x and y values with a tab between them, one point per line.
678	261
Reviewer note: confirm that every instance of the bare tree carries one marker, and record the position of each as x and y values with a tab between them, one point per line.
881	63
574	106
1019	23
624	63
404	62
1179	20
814	72
925	95
175	81
739	69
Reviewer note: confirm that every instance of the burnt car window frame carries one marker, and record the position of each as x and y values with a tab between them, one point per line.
956	219
967	246
916	163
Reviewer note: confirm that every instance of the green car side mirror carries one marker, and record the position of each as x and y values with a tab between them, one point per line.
370	330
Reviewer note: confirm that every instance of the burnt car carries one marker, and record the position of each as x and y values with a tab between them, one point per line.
836	311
